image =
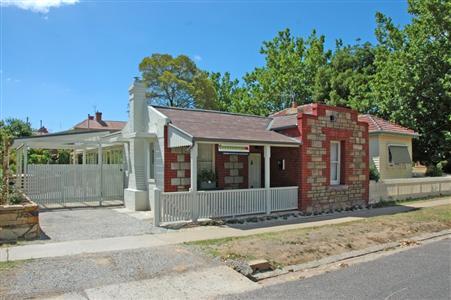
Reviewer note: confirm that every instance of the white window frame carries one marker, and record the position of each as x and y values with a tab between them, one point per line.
337	163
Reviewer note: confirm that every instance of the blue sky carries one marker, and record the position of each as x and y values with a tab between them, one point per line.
59	63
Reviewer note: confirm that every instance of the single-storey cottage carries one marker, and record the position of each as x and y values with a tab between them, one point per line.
390	147
320	152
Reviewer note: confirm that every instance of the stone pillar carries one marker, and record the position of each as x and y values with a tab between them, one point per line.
136	194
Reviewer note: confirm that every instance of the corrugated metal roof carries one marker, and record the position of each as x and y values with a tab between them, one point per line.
223	126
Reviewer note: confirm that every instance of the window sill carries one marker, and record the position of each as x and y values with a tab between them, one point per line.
338	187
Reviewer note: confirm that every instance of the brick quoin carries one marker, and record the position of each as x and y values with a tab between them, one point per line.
171	157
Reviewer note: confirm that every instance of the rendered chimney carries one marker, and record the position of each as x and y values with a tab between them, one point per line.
98	116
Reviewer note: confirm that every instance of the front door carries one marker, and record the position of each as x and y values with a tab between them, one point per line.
255	168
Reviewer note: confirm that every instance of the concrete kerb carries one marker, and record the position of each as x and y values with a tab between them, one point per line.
345	256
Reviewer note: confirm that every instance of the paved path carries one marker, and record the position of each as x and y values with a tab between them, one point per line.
194	234
419	273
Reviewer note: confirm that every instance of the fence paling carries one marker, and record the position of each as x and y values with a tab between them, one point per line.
73	183
178	206
399	189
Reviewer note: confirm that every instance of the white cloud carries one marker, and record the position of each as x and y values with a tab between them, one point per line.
41	6
197	57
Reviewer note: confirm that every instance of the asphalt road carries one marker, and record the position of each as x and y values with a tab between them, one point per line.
419	273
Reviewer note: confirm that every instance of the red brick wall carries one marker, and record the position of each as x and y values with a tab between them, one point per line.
317	132
289	176
176	171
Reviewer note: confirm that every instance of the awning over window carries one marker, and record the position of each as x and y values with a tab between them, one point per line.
399	155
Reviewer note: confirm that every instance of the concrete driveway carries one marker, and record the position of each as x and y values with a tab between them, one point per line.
94	223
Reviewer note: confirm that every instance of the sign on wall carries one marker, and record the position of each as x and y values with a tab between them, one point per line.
233	148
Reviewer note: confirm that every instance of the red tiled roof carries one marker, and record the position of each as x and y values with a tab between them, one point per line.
376	124
100	125
223	126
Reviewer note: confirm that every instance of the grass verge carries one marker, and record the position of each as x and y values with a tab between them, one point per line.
6	265
303	245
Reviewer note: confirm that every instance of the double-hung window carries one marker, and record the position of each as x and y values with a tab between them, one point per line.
335	161
205	157
151	162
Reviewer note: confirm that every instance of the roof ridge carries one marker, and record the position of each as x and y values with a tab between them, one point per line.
210	111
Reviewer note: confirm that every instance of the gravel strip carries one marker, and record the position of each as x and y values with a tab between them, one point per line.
92	223
47	277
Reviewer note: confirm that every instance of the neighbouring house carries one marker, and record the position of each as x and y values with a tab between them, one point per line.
390	147
96	123
111	154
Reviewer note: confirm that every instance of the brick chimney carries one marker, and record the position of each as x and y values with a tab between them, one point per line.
90	117
294	104
98	116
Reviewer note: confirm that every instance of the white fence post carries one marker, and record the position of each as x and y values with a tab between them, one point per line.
157	207
100	163
193	189
267	153
25	167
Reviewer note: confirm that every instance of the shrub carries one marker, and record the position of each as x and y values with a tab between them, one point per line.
446	164
207	176
434	170
374	173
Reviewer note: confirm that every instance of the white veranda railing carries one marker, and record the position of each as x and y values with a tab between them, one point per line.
184	206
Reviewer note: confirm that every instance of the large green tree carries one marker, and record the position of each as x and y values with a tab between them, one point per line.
291	64
345	79
176	81
412	81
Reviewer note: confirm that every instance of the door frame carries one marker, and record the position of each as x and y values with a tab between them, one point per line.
259	176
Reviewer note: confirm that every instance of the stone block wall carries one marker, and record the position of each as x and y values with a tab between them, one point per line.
19	222
231	170
318	128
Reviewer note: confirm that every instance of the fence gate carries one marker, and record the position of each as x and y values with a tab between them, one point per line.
62	184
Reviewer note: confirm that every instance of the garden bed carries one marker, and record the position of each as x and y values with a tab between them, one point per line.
19	221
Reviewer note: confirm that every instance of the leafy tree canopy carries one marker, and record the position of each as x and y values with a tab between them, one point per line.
411	85
176	81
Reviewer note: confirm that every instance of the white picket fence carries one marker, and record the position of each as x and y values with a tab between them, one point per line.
185	206
405	188
61	184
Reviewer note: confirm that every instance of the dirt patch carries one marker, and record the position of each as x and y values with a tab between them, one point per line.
303	245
